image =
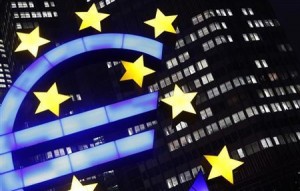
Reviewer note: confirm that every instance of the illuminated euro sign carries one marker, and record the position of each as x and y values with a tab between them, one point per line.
12	179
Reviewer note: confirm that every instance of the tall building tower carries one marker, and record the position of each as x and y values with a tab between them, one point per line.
232	54
5	75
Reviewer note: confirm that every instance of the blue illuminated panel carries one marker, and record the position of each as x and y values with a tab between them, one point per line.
44	64
9	109
199	184
77	123
132	107
84	121
11	181
65	51
38	134
7	143
103	41
135	144
46	171
77	161
61	166
6	163
142	44
94	156
34	72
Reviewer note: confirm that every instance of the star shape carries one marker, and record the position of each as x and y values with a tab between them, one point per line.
180	101
77	186
50	100
91	18
31	41
162	23
222	165
136	71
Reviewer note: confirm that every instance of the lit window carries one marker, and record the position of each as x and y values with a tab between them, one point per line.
244	11
206	113
250	11
16	15
52	4
241	153
13	5
31	5
46	4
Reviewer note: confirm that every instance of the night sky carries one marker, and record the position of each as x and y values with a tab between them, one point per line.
288	13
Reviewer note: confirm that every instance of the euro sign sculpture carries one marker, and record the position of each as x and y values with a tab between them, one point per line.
12	179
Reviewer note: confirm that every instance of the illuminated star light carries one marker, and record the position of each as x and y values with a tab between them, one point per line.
50	100
222	165
180	102
162	23
136	71
31	41
77	186
91	18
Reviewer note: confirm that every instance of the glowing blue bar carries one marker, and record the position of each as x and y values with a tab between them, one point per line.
9	109
46	171
135	144
7	143
38	134
94	156
199	184
103	41
84	121
142	44
6	163
32	74
132	107
11	181
65	51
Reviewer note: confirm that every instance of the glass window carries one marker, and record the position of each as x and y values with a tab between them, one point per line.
241	153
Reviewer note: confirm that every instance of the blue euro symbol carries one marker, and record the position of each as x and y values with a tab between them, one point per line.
12	179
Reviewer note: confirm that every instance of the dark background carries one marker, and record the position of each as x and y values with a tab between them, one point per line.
288	13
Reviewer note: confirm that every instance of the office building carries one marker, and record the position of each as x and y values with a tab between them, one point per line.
233	54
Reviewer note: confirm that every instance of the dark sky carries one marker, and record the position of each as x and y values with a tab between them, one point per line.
288	13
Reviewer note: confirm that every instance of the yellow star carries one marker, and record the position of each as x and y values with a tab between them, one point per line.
91	18
77	186
31	41
222	165
136	71
180	101
50	100
162	23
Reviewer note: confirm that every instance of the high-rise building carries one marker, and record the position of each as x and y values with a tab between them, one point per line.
233	54
5	75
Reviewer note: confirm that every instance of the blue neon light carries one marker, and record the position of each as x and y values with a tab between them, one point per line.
77	123
65	51
11	179
56	56
135	144
46	171
132	107
142	44
199	184
9	109
7	143
84	121
103	41
94	156
6	163
35	71
77	161
38	134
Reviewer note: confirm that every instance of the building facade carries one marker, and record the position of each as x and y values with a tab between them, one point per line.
234	54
